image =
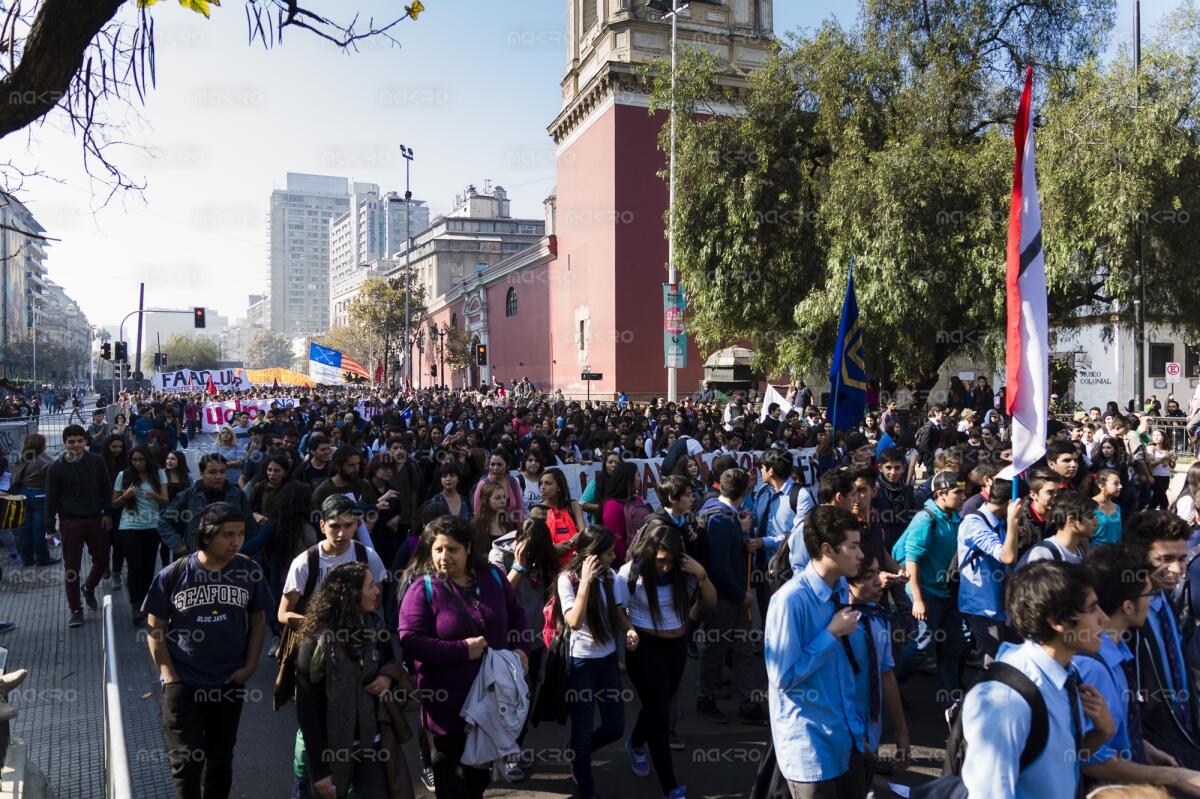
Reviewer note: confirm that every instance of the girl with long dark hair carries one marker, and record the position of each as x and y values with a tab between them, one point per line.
621	507
592	494
531	562
282	539
661	582
346	663
591	602
564	517
115	452
140	491
492	520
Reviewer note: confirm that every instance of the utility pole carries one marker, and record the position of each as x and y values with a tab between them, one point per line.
1139	279
407	152
137	363
672	272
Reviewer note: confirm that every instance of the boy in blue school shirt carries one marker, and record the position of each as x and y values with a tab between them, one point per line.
985	556
1123	589
876	691
1052	606
817	729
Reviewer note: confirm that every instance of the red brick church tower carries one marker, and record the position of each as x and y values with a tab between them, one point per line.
606	283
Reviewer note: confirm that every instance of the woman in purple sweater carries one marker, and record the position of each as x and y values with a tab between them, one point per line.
448	619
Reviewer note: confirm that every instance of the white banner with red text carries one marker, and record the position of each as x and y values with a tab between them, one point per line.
197	380
215	415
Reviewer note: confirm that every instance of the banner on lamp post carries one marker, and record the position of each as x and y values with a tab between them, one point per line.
674	338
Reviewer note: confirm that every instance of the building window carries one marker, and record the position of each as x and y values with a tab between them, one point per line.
510	303
453	320
589	14
582	335
1160	356
1191	360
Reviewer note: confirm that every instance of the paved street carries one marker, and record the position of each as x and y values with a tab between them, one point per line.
61	716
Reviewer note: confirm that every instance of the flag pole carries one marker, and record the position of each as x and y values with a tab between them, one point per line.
833	417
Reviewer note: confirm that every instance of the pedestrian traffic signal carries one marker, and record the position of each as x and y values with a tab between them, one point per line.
198	317
126	370
481	355
122	355
106	351
162	359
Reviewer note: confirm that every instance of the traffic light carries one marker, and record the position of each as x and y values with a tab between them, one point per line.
122	355
481	355
198	317
106	351
126	370
162	359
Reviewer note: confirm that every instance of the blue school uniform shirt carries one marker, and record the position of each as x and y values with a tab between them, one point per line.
881	631
783	522
996	723
208	617
1163	617
815	722
981	582
1107	675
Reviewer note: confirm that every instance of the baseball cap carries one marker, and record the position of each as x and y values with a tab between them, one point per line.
946	481
335	505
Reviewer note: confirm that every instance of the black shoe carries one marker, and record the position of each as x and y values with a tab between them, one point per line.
7	626
674	741
427	778
89	596
707	707
753	714
76	619
49	562
139	618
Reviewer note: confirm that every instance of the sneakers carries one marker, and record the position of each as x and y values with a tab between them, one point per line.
7	626
674	741
114	583
707	707
638	759
300	788
89	596
49	562
427	778
76	619
753	714
678	792
512	769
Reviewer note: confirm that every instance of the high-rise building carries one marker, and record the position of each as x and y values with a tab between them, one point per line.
22	275
373	229
298	228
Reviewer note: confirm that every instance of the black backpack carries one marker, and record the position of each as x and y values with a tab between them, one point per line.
950	784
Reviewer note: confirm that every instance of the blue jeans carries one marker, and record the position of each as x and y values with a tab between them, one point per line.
942	628
31	538
593	681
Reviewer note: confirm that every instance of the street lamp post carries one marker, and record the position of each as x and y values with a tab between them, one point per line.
1139	283
407	152
672	273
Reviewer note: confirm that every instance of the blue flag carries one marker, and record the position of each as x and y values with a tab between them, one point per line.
848	374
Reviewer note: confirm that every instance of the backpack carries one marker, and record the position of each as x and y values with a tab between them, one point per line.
954	573
950	784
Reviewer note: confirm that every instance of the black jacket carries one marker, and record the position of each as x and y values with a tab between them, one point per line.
79	489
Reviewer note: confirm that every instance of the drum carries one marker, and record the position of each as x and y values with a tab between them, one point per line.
12	511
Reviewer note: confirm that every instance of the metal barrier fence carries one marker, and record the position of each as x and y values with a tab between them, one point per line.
118	782
51	425
1174	428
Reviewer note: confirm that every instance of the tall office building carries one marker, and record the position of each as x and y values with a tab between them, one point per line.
298	225
369	233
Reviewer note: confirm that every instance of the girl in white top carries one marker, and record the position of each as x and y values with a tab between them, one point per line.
1161	460
662	581
1185	503
591	601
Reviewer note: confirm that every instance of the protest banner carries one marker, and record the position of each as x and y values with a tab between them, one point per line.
214	415
197	380
650	470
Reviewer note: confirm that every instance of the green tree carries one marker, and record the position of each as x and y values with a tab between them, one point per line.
891	141
378	310
269	349
458	348
191	352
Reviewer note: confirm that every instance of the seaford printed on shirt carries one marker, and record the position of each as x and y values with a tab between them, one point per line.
580	474
197	380
211	594
214	415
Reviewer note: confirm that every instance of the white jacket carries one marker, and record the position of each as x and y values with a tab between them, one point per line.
495	708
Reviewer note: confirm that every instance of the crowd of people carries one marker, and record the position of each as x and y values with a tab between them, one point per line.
427	547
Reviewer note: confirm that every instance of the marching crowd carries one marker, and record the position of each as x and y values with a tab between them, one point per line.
428	547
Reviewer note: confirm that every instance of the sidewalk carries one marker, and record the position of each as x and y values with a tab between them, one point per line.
61	713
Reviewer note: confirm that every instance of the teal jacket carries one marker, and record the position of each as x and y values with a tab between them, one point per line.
930	541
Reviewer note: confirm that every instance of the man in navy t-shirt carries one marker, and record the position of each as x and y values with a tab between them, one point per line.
207	618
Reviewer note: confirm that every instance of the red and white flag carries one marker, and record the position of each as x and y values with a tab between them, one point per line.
1027	345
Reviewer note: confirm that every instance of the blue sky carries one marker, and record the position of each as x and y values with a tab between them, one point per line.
472	90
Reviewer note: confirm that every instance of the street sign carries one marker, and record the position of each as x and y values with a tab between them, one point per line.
1174	371
586	376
